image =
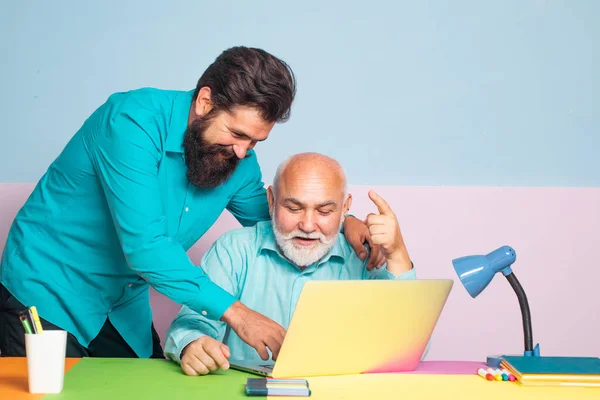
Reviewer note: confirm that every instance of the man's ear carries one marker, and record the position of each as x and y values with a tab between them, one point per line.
347	204
271	199
203	103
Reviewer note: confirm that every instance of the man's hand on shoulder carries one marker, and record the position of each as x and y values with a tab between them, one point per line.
357	234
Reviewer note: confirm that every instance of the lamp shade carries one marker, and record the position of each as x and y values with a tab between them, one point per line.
476	272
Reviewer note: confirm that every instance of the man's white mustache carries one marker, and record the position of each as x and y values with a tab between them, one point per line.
304	235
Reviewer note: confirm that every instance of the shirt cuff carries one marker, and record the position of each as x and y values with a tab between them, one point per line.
182	343
410	274
213	301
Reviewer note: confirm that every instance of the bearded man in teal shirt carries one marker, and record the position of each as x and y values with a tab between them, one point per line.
142	180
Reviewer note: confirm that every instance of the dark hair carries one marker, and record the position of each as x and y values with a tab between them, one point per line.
250	77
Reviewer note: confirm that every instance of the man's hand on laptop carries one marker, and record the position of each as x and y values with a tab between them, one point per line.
203	356
255	329
385	232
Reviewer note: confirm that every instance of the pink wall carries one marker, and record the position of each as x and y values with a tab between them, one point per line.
553	230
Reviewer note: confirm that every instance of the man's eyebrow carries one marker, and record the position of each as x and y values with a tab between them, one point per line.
300	204
244	135
294	201
327	203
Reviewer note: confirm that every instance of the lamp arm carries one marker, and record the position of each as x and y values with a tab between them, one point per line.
514	282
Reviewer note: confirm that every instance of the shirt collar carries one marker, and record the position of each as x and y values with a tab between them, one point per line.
178	122
267	242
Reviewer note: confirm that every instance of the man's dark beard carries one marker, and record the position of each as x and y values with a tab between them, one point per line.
206	167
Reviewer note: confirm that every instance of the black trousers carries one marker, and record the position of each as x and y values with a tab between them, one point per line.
108	343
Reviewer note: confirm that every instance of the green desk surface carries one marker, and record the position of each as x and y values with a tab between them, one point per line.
118	378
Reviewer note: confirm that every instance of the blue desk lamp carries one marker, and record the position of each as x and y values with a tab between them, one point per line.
476	272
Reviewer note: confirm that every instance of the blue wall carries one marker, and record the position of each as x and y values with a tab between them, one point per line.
404	93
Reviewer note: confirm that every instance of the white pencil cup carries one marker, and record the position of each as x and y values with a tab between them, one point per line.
46	354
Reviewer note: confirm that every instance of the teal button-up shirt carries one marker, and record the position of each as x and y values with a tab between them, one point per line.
115	213
248	264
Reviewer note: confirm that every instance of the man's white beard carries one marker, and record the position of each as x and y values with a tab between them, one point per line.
303	256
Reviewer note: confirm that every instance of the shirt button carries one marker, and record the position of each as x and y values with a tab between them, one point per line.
204	312
110	310
187	209
130	285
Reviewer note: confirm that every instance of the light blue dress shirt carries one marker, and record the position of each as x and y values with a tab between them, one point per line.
115	213
248	264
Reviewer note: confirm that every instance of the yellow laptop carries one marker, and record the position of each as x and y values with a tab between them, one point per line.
349	327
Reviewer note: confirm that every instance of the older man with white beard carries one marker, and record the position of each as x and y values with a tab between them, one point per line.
266	266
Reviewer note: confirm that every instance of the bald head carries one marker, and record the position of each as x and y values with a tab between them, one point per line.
311	165
308	201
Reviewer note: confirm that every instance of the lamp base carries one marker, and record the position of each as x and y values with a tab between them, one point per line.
494	361
534	353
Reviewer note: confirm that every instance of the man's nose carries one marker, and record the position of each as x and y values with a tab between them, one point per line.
240	150
307	224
